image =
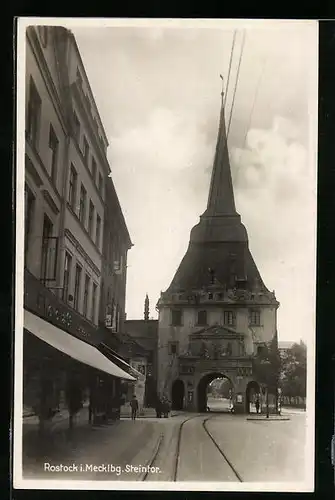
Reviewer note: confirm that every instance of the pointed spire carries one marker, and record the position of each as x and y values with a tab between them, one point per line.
221	194
146	308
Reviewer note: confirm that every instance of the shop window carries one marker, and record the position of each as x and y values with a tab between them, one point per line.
202	318
176	317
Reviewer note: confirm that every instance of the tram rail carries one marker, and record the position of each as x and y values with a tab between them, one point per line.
176	461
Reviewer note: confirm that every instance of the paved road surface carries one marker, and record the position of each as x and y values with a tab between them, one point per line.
258	450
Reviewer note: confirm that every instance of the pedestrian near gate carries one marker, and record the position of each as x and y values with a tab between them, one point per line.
134	408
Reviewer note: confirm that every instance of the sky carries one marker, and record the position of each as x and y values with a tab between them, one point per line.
157	89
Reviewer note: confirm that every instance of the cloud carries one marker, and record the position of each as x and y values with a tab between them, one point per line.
276	197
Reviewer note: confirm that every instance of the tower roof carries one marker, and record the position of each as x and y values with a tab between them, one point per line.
219	242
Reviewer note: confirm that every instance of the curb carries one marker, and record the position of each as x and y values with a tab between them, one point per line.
272	419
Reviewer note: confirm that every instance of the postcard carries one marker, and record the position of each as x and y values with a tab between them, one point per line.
165	254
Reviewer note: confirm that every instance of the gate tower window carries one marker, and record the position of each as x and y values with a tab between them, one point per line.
202	318
173	348
229	318
176	317
255	318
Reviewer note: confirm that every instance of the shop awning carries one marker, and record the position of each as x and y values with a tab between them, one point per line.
70	345
113	355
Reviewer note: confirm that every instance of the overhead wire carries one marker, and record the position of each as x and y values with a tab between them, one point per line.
224	94
252	110
229	68
235	88
236	84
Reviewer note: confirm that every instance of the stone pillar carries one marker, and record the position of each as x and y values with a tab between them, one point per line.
239	397
190	400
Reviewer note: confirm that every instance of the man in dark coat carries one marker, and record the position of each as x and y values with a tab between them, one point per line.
158	407
134	407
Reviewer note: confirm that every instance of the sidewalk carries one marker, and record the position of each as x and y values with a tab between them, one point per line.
30	422
271	417
89	446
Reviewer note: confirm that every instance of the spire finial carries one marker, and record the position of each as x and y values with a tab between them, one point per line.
146	308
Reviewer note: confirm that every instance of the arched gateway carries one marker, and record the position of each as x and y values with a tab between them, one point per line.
177	395
202	389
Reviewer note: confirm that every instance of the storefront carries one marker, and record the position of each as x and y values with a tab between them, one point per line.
128	388
62	366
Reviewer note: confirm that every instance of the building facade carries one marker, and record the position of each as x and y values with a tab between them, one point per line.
144	335
217	313
66	171
116	243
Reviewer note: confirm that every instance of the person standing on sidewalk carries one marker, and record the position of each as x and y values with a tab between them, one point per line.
257	404
134	407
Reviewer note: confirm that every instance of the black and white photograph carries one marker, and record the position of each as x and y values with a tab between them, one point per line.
166	188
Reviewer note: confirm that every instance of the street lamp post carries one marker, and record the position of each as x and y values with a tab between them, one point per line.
267	363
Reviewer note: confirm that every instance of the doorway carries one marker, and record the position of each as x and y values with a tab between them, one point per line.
178	391
252	394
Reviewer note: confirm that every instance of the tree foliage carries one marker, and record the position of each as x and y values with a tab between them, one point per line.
294	371
267	365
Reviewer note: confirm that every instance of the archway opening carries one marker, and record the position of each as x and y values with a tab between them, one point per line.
177	395
252	396
215	393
